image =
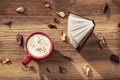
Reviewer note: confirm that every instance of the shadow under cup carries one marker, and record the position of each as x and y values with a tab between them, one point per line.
30	56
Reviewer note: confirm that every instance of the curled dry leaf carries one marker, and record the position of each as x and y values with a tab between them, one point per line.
20	10
5	61
86	69
105	8
56	20
48	70
9	23
102	42
61	14
51	26
114	58
19	39
63	36
62	69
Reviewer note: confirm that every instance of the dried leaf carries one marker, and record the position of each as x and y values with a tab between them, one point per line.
63	36
5	61
56	20
105	8
19	39
20	10
26	68
9	23
115	58
61	14
51	26
62	69
48	70
47	5
86	69
68	58
102	42
118	24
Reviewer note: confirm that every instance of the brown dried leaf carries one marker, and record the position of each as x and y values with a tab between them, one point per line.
56	20
63	36
19	39
105	8
9	23
51	26
118	24
115	58
62	69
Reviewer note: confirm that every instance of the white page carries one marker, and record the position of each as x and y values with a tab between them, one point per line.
76	18
82	35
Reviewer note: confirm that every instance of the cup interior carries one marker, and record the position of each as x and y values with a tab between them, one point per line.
32	54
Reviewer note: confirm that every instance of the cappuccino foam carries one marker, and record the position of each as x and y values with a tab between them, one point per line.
39	45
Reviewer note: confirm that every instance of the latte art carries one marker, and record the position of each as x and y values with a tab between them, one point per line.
39	45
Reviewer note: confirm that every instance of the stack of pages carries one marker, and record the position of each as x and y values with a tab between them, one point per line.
79	30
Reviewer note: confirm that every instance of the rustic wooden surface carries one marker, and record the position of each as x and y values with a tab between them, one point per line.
106	25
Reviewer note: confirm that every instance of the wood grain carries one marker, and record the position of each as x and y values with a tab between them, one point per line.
34	20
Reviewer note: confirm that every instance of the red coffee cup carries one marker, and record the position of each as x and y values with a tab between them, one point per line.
30	56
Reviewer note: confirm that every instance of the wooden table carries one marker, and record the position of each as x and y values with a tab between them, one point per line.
37	14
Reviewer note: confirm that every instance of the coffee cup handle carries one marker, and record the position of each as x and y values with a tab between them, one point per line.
26	60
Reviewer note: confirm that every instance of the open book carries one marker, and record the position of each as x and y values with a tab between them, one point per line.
79	30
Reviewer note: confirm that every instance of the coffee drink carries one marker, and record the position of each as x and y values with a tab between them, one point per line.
39	45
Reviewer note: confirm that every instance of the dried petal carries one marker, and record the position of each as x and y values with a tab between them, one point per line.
19	39
86	69
61	14
51	26
47	5
26	68
63	36
102	42
115	58
20	10
105	8
48	70
56	20
9	23
62	69
5	61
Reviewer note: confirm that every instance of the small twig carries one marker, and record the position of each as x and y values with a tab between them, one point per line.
68	58
48	70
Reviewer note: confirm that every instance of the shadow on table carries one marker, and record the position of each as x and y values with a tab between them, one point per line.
99	59
53	65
